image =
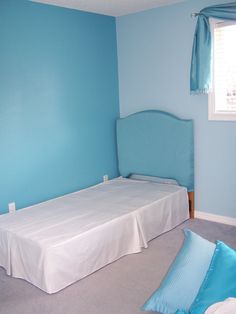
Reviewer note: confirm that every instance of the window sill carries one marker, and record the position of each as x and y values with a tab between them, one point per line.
221	116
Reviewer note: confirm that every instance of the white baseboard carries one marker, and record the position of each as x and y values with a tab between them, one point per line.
217	218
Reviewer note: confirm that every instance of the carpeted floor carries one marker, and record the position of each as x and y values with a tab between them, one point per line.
119	288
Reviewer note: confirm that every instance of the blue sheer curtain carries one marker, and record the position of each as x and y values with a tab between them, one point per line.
201	65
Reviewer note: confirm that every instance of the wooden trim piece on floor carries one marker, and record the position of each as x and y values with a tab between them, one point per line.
216	218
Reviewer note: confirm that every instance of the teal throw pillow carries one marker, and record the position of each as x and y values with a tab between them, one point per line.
220	280
184	278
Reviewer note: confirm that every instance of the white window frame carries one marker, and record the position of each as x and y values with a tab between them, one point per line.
212	114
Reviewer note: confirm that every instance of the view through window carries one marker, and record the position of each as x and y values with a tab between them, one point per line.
222	99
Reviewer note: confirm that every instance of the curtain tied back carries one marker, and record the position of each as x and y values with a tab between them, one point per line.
201	65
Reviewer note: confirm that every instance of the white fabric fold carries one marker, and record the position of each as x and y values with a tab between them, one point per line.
226	307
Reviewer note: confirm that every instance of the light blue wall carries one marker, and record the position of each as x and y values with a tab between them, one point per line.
58	101
154	52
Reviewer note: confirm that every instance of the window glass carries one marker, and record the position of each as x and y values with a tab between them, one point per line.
222	98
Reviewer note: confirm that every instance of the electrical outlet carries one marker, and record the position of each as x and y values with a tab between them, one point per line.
105	178
12	207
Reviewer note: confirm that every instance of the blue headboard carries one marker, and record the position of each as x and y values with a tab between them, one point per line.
156	143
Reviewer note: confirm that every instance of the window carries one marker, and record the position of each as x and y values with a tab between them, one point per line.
222	98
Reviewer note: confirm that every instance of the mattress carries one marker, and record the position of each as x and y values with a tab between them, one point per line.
55	243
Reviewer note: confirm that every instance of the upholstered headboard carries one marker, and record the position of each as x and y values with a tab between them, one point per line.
156	143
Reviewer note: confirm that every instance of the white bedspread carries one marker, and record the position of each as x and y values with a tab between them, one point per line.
58	242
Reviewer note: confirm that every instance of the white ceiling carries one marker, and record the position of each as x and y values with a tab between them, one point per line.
110	7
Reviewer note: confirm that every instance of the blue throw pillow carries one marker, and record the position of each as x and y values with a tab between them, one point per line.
220	280
184	278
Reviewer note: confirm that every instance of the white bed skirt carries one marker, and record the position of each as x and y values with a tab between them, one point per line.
56	243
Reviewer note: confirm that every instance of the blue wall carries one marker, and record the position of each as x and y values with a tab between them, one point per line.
154	52
59	98
58	101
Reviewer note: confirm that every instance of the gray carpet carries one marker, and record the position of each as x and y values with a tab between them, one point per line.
119	288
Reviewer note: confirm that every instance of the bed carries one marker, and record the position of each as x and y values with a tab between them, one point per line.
55	243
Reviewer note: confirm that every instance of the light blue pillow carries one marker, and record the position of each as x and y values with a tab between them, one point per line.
184	278
153	179
220	280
